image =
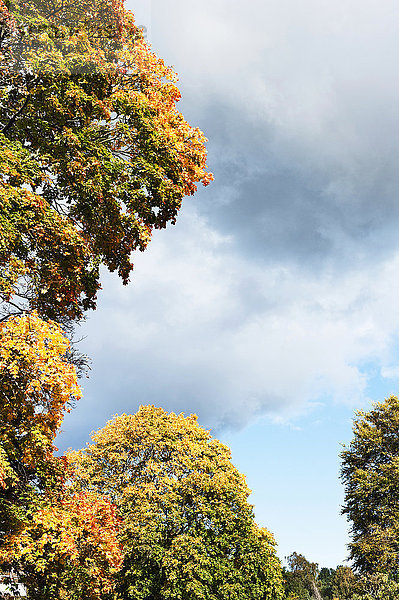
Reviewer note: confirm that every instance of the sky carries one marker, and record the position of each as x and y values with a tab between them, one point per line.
270	309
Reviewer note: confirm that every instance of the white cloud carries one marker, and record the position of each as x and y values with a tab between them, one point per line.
202	330
299	101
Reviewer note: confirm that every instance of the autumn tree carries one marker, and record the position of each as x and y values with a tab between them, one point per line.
95	154
37	385
58	541
187	529
370	473
68	549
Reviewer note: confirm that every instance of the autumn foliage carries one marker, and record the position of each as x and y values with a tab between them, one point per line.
45	264
187	529
63	544
95	154
69	549
37	385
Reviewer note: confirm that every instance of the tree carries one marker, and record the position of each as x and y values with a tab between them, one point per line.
325	582
187	529
370	473
344	582
61	544
378	586
301	578
37	385
69	549
95	153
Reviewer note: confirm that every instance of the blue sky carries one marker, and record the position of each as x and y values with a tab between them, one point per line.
270	309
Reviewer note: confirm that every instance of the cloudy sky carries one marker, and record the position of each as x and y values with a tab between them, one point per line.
270	309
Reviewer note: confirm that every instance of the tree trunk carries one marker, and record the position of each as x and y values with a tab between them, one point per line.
315	592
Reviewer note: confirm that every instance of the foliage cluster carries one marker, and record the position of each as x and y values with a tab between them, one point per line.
94	153
370	472
47	534
187	528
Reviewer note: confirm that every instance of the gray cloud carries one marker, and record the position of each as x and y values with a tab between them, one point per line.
299	102
278	285
203	329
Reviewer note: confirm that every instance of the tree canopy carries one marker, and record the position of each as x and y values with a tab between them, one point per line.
187	529
37	385
95	154
370	473
301	578
343	583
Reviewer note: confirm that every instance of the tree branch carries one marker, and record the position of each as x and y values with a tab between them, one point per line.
15	116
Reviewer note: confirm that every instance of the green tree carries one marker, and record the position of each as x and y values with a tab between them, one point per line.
325	582
188	531
304	580
377	586
370	473
301	578
344	582
95	154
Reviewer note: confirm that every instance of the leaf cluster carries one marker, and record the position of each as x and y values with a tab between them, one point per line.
37	386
